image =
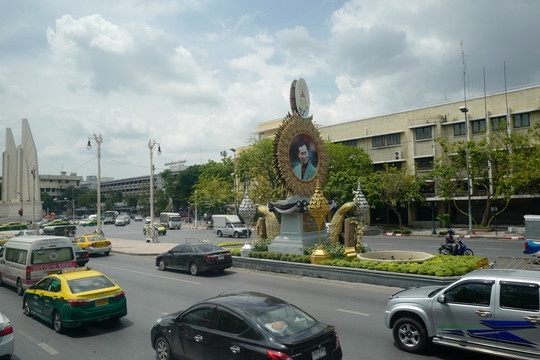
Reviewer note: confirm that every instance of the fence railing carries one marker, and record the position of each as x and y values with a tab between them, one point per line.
502	262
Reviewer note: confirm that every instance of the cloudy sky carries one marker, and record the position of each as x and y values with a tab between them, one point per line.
199	75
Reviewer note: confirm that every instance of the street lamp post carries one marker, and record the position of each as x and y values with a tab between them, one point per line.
98	140
433	206
465	110
196	215
33	172
234	182
151	144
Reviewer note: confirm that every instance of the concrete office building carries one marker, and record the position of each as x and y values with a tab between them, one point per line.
407	140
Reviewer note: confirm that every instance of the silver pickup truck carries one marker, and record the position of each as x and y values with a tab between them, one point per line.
492	311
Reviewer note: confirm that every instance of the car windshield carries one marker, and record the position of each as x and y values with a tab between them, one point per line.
89	284
284	320
203	248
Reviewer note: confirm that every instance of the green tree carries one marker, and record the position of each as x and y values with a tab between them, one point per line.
501	165
132	201
395	188
255	166
48	202
213	194
87	199
346	165
185	182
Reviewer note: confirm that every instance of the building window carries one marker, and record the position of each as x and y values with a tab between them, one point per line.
498	123
478	126
423	133
350	143
425	163
521	120
377	141
459	129
393	139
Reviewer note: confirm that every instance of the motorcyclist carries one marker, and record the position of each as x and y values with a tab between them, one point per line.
451	241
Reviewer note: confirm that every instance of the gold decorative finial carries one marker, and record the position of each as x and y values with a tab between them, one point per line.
318	208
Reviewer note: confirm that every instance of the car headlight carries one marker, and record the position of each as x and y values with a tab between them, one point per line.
157	321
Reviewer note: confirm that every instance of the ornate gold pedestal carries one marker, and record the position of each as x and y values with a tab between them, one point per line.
319	255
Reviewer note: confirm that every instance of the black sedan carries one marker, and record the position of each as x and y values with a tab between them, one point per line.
195	258
81	255
244	325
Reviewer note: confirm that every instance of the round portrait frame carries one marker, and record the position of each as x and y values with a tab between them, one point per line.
292	127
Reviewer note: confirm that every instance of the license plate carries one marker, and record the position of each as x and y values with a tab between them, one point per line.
318	354
102	302
221	257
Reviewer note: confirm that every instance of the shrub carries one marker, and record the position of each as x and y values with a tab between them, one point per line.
261	245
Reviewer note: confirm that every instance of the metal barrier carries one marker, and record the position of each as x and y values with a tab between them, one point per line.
502	262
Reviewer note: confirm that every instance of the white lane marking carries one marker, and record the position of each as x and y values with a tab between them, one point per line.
42	345
353	312
159	276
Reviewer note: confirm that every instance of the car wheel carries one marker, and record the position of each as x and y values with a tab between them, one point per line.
26	307
57	322
410	335
236	234
163	350
107	253
468	253
193	269
1	283
219	233
162	265
20	289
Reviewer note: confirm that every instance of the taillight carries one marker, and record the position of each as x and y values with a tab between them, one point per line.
211	257
7	330
108	243
338	344
120	294
85	255
277	355
526	245
28	273
228	255
78	302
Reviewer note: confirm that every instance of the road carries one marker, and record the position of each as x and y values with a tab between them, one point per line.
357	310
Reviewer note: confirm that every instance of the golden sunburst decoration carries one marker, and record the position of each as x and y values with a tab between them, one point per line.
293	131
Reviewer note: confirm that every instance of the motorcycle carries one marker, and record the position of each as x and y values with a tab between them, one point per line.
461	250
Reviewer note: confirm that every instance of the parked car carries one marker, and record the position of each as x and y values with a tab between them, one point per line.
157	226
7	337
492	311
195	258
75	297
3	239
14	225
81	255
94	244
254	325
138	218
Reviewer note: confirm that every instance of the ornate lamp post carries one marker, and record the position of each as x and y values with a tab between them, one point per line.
318	208
247	211
98	140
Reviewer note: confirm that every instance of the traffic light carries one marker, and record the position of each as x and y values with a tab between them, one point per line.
20	211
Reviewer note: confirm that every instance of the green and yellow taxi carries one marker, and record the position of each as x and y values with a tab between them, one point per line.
74	297
3	239
90	222
14	225
157	227
54	223
94	244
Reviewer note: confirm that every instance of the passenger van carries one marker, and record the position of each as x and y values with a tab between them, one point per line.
25	260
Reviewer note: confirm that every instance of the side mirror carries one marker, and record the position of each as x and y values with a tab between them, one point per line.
441	299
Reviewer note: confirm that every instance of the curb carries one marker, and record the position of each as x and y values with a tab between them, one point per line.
468	236
375	277
515	237
394	234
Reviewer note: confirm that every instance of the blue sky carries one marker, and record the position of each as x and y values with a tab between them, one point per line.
199	75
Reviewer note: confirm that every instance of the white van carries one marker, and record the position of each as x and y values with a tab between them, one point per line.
25	260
